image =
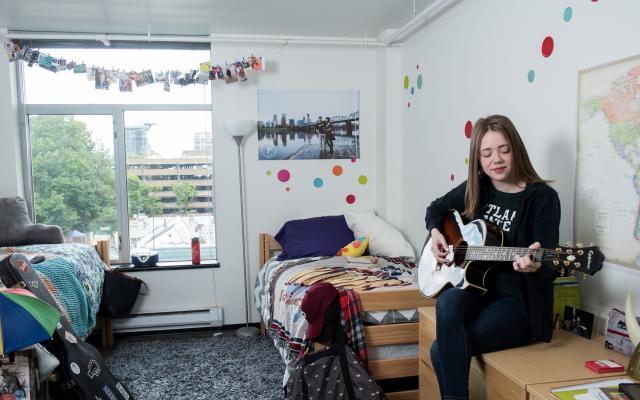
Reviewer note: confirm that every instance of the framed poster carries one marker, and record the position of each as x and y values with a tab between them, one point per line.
308	124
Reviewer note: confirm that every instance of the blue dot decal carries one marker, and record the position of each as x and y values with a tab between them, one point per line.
568	14
412	90
531	75
318	182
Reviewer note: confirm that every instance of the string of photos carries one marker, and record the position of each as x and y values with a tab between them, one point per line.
105	77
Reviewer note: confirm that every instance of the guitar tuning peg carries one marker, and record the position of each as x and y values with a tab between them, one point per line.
577	264
567	263
580	252
558	250
556	262
578	244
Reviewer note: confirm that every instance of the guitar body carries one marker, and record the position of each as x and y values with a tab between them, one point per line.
434	277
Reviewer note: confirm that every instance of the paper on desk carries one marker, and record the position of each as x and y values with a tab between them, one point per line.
573	392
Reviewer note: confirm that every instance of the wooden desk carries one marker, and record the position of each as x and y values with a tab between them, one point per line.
505	375
542	391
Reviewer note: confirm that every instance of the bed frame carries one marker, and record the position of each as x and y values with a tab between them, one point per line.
381	335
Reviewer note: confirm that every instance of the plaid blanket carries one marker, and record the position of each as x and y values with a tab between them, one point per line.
280	287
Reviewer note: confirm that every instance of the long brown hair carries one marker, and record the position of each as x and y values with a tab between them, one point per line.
522	168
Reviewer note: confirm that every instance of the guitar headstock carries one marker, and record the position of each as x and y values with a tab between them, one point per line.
585	260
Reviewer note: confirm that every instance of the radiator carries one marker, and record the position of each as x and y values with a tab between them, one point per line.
208	317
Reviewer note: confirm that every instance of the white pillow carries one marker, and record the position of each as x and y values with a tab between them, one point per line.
384	239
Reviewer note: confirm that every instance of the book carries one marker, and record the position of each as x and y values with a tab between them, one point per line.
608	393
581	392
604	366
566	292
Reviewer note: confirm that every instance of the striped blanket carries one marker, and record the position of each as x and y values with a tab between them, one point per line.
281	285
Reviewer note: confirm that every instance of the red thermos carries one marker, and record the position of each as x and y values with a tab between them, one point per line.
195	251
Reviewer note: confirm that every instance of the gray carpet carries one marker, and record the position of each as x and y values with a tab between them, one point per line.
198	366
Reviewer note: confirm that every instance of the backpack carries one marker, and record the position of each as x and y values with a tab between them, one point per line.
83	373
332	373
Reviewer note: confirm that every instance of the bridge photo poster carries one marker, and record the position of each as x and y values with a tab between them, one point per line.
308	124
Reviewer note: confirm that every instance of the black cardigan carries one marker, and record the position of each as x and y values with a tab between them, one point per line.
539	222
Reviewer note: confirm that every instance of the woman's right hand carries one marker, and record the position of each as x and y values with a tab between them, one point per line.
439	246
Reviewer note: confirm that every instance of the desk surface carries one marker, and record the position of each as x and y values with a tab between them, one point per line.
559	361
542	391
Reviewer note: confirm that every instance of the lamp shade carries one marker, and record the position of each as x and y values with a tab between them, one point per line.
239	127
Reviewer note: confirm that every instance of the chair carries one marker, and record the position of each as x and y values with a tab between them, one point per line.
16	229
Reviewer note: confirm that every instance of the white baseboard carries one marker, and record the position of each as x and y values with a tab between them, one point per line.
209	317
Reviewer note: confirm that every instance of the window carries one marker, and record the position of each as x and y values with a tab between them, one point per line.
136	166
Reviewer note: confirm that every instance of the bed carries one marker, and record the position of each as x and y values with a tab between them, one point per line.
74	274
403	334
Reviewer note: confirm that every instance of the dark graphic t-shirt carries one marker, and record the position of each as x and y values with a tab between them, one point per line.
503	210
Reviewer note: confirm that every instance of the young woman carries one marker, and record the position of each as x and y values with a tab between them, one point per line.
502	188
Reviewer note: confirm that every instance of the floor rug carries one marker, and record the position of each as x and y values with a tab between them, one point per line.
198	366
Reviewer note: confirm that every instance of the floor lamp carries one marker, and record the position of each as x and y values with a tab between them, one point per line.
238	129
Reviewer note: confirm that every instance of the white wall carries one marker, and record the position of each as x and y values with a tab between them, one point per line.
269	205
10	159
474	60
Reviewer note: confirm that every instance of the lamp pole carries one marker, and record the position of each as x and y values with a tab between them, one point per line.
245	331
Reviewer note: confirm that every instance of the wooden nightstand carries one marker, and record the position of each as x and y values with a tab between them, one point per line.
507	374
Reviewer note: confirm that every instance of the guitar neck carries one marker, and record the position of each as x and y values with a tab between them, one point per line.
489	253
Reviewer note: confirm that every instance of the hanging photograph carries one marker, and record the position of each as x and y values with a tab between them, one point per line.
308	124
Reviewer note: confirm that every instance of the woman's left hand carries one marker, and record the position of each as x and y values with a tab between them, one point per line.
526	263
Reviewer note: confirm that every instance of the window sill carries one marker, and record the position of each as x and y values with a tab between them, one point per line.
168	265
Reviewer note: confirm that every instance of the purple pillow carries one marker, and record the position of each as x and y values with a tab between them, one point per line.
313	237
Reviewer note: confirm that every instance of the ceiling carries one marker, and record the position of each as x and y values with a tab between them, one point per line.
337	18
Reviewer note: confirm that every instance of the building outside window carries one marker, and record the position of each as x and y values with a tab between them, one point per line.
132	161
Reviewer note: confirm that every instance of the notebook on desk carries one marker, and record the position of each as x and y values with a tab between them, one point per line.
586	391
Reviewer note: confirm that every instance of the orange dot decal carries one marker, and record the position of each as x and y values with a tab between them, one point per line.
351	199
337	170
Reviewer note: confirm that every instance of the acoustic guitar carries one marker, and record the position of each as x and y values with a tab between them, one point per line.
476	247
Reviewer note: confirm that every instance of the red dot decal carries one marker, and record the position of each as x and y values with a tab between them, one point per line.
417	66
409	104
468	129
288	189
353	160
453	178
351	199
547	46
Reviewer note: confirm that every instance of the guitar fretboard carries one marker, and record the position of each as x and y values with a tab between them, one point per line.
488	253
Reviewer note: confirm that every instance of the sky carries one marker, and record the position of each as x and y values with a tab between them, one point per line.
297	103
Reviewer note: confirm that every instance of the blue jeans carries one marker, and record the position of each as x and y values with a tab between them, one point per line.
466	325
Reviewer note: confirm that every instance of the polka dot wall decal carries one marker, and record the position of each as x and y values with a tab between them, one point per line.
284	175
412	89
453	178
269	173
351	199
466	160
531	75
568	13
354	159
406	82
288	189
468	129
337	170
419	83
409	104
417	66
547	46
362	179
318	182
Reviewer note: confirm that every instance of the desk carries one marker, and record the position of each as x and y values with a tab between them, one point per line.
506	374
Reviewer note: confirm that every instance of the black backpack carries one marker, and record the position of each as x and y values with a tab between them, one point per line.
83	373
332	373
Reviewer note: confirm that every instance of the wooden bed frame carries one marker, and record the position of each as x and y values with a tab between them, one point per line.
380	335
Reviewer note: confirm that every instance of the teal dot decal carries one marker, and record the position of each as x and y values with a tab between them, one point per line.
318	182
406	82
412	90
531	75
568	13
419	81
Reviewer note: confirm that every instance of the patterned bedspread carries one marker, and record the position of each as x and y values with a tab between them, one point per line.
281	285
74	274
